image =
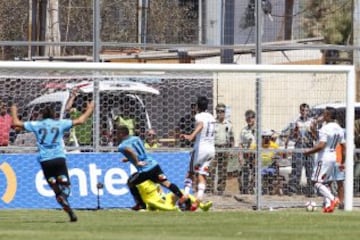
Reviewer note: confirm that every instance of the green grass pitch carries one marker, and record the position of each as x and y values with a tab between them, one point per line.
121	224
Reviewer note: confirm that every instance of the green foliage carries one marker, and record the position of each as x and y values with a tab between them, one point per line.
76	24
171	23
330	19
13	26
119	224
119	21
167	22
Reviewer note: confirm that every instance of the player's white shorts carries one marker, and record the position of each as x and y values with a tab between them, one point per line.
323	171
339	174
200	160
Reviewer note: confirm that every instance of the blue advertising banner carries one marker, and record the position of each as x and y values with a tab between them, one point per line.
22	184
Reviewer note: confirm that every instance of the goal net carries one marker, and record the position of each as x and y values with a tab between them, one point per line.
160	101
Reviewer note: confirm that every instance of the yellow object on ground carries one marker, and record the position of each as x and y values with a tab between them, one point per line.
155	198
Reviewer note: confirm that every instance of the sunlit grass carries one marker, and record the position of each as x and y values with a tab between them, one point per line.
120	224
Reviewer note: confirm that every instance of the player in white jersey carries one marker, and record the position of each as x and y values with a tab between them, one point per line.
330	135
204	148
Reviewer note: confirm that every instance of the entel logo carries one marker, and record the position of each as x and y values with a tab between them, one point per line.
114	179
11	182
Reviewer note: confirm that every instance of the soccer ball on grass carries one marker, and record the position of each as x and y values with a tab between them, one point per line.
310	206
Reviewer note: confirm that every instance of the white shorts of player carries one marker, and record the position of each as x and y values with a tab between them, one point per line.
324	171
339	175
202	159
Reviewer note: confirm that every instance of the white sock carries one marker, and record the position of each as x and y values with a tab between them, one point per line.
200	192
324	191
188	185
326	202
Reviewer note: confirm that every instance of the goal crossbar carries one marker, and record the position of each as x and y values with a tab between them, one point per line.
257	69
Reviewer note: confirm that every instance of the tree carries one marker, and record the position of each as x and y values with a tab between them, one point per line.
52	32
13	26
168	22
330	19
289	11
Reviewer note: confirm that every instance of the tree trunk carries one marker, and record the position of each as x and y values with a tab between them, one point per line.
289	7
41	30
52	28
356	42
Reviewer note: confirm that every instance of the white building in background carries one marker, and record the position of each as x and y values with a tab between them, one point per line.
212	13
213	22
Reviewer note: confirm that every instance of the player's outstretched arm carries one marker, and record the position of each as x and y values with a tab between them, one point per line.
317	148
85	115
192	136
134	157
14	114
71	99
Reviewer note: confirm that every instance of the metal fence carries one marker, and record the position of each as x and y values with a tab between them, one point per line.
160	97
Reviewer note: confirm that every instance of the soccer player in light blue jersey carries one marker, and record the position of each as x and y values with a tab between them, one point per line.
49	134
133	149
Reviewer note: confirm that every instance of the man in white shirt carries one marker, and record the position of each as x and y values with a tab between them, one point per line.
204	149
330	135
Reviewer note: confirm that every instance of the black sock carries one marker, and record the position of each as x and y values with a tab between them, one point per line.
135	192
173	188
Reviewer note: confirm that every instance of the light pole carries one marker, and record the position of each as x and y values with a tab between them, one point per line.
96	30
258	96
356	42
227	30
143	6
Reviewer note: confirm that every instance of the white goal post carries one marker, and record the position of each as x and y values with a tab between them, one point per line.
15	68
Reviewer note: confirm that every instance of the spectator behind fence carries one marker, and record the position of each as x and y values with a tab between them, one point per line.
247	140
224	138
151	141
5	125
81	134
303	133
267	142
124	115
357	159
269	167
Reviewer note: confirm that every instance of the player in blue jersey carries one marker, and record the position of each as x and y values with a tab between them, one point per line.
49	134
133	149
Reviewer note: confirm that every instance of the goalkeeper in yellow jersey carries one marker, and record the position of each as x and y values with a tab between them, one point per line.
155	199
